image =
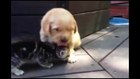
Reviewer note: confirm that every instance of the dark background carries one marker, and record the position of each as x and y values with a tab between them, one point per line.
91	16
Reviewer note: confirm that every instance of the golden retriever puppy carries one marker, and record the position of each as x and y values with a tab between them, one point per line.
59	26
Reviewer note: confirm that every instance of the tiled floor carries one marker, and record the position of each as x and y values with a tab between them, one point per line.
104	54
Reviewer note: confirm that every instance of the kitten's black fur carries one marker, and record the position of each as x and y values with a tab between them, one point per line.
27	48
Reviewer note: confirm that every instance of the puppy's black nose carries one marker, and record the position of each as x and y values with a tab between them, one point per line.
64	40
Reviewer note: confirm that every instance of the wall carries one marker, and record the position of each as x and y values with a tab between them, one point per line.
91	16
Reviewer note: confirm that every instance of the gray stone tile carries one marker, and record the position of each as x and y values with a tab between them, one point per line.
97	34
84	63
100	47
117	63
97	74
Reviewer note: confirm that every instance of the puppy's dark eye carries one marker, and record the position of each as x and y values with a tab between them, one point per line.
56	29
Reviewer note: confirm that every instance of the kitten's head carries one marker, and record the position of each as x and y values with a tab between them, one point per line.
62	52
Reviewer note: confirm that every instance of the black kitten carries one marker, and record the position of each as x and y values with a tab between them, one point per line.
30	50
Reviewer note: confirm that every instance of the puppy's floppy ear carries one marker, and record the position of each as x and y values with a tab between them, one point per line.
75	27
49	28
45	26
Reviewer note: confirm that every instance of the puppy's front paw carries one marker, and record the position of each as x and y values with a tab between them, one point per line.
72	59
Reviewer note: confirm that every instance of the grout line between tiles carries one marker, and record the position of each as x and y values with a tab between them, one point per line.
109	54
106	70
97	62
114	49
72	73
99	36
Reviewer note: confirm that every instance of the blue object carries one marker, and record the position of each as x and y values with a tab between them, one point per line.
119	21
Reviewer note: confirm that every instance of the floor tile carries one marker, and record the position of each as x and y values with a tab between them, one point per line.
84	63
100	47
97	74
97	34
117	63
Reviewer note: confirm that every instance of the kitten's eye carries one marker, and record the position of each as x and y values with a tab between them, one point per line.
23	49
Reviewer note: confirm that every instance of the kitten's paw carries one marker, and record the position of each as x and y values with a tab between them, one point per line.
17	72
50	65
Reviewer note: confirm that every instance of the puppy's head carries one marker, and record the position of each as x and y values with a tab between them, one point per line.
60	33
59	26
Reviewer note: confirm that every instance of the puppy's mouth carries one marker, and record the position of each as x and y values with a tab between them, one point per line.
62	44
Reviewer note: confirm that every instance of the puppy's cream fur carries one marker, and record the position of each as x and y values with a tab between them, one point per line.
58	24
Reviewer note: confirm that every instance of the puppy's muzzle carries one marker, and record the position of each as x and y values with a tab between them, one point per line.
64	40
